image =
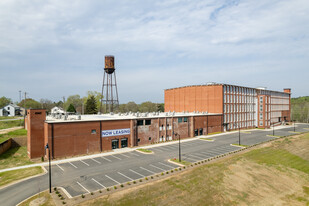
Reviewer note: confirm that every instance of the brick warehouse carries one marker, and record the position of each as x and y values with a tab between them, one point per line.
242	107
76	135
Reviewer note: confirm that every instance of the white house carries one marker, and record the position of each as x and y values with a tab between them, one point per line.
10	110
57	110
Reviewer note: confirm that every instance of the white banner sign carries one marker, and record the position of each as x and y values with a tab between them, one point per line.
115	132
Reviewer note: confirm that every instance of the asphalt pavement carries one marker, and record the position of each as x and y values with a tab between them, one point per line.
87	175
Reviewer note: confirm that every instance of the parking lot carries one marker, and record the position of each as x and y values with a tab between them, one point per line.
102	171
107	171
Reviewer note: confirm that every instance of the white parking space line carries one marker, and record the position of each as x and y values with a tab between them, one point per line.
189	158
124	155
137	173
166	165
99	183
133	153
158	149
96	161
83	187
112	179
125	176
115	157
147	170
106	159
84	162
156	167
195	156
60	167
72	164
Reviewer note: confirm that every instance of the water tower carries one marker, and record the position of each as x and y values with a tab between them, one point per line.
109	87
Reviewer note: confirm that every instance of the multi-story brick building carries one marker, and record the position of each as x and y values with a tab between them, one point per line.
76	135
242	107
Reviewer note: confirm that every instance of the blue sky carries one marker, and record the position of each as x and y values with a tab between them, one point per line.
56	48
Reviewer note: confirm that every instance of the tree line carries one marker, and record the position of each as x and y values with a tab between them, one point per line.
300	109
89	104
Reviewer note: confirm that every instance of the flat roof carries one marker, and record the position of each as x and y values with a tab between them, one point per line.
123	116
222	84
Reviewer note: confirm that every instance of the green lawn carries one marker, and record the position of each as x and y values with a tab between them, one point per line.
14	157
10	124
16	133
11	176
266	176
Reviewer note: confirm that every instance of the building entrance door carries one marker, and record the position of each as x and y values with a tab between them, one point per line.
115	144
124	142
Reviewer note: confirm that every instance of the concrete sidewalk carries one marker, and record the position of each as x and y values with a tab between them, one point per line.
3	131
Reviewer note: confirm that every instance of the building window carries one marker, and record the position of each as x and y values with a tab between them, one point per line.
261	123
148	122
93	131
185	119
261	100
201	131
138	140
140	122
179	119
149	138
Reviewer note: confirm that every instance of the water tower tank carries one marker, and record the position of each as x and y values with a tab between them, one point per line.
109	64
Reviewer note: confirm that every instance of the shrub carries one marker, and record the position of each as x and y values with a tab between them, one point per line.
176	169
128	183
115	187
146	178
100	191
172	171
121	185
83	196
162	173
107	189
57	192
62	198
184	167
63	202
42	159
59	195
179	168
166	172
157	175
55	188
91	193
134	182
151	177
140	180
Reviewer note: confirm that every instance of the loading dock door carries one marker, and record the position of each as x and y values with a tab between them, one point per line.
115	144
124	142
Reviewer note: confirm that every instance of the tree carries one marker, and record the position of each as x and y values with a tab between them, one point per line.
30	104
71	108
4	101
91	106
47	104
75	100
131	107
147	107
161	107
97	95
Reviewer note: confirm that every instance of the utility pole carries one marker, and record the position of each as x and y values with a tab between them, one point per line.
25	108
19	95
47	147
63	104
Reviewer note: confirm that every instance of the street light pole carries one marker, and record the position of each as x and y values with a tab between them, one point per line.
47	147
238	134
179	149
294	125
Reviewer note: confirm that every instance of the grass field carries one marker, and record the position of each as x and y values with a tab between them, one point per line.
42	199
14	157
11	176
277	173
1	118
10	124
144	150
16	133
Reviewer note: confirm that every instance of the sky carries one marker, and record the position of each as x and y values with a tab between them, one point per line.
56	48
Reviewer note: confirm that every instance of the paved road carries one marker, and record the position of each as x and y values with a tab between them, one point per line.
84	176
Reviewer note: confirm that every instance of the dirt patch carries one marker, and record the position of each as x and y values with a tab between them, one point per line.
38	201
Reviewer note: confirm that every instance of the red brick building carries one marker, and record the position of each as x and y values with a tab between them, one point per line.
86	134
242	107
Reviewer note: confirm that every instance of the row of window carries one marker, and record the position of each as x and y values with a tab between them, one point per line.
238	117
238	108
143	122
238	90
238	99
